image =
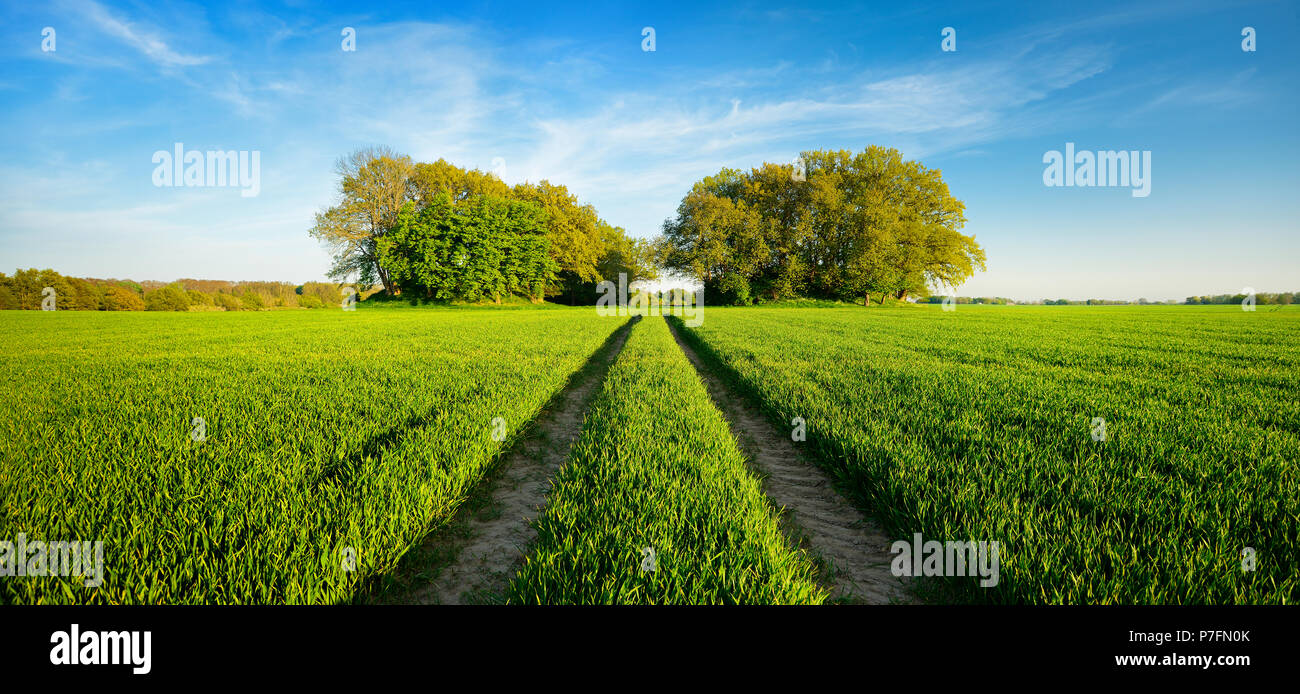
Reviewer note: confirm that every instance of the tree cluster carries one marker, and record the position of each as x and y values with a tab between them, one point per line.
437	231
839	226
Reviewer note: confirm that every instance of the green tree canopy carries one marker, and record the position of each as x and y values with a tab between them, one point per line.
484	248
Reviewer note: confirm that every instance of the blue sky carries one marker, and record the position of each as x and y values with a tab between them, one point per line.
567	93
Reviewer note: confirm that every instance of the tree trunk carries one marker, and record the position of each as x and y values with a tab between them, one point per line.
866	301
902	295
383	279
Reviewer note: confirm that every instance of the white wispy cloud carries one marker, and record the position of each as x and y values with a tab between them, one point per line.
142	40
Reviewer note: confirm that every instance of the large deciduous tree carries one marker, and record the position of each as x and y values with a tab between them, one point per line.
485	248
374	184
717	240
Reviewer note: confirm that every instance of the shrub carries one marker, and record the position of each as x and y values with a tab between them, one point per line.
731	290
168	298
252	301
327	292
230	302
199	298
122	299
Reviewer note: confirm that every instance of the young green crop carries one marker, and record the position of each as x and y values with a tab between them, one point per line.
1118	455
329	442
655	505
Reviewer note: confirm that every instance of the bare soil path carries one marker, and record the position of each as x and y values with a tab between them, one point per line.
853	550
473	558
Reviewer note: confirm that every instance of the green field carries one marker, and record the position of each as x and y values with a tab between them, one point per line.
979	424
656	469
333	442
332	439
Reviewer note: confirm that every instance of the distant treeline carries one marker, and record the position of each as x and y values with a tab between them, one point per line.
1004	301
1103	302
995	300
26	289
1260	298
